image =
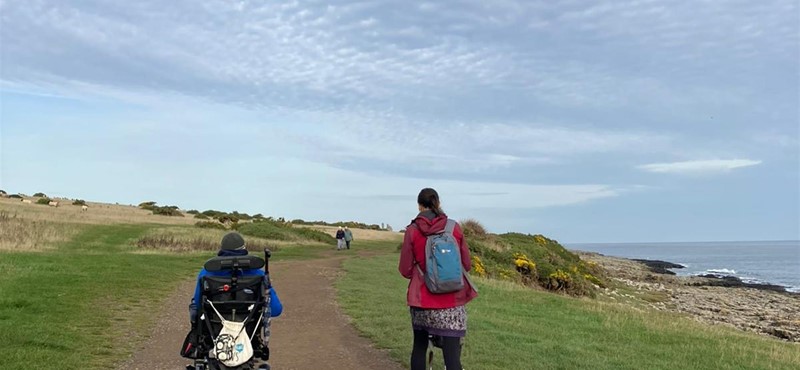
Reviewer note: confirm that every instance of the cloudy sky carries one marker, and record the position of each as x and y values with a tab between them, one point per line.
586	121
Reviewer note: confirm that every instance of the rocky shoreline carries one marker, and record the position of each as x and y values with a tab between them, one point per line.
715	299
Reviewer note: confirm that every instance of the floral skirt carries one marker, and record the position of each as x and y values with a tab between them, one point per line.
449	322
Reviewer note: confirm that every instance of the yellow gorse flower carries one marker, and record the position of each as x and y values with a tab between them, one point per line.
477	266
522	261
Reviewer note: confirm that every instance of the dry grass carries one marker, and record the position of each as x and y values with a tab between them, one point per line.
360	234
22	234
185	239
98	213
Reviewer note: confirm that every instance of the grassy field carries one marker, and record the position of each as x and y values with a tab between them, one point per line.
79	289
512	327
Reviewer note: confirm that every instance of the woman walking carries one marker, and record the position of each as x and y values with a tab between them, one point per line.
442	315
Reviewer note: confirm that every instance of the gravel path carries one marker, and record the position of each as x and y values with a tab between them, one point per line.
312	333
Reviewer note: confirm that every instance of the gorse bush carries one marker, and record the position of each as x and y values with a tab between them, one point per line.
472	228
40	195
533	260
78	202
201	216
167	211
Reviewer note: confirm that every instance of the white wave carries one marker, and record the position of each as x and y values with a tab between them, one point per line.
721	271
793	289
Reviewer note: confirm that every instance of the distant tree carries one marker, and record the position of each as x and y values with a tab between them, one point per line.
40	195
148	205
193	212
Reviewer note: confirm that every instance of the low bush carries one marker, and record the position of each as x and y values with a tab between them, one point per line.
266	230
44	201
314	235
79	202
210	225
147	205
472	228
167	211
40	195
201	216
276	230
193	212
532	260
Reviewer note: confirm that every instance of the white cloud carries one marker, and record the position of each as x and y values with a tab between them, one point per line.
699	166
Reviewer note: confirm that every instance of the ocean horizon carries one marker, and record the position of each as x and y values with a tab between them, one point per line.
770	261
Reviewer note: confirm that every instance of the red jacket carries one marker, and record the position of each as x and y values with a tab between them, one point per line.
413	251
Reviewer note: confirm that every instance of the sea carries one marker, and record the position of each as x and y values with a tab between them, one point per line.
773	262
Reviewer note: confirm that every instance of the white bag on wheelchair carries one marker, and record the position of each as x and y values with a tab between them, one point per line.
233	345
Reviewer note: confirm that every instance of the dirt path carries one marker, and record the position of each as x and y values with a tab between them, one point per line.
312	333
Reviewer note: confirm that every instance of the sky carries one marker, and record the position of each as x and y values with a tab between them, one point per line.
601	121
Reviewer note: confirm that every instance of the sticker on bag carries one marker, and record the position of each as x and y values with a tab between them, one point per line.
233	346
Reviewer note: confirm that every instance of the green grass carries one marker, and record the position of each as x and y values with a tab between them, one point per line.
512	327
79	305
278	231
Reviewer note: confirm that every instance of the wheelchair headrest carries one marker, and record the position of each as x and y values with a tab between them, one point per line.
234	262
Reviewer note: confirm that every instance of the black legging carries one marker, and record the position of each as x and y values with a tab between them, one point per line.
451	349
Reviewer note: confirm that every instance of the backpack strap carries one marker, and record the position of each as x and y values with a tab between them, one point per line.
450	227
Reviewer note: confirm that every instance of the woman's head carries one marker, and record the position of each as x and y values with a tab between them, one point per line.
429	199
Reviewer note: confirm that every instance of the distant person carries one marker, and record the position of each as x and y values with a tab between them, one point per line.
340	239
348	236
438	316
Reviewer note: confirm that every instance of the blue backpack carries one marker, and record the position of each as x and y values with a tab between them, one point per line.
443	262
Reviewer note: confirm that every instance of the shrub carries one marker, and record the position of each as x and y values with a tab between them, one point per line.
314	235
210	225
44	201
472	228
147	205
226	218
15	196
79	202
167	211
533	260
201	216
275	230
40	195
264	229
193	212
212	213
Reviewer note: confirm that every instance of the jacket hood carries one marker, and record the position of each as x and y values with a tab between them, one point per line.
428	223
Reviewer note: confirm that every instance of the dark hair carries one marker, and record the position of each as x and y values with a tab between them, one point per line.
429	198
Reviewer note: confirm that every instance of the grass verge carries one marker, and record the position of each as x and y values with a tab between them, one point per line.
87	302
513	327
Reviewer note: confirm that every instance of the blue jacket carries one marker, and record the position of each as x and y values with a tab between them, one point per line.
276	308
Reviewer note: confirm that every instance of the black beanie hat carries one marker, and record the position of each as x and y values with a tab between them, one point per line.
232	241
